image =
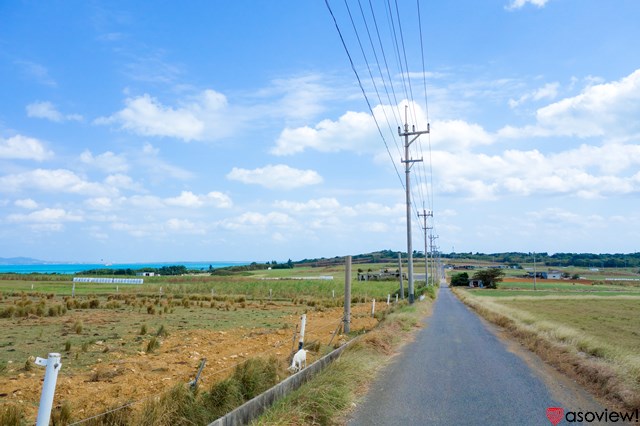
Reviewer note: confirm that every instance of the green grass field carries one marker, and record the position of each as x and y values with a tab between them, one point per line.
599	324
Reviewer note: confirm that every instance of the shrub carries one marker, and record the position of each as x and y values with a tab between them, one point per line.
255	376
162	331
459	280
29	364
61	415
77	327
94	304
153	344
67	346
143	329
223	397
12	415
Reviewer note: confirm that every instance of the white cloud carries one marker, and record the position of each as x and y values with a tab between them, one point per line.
26	203
353	131
318	207
186	199
23	148
585	172
297	98
46	216
100	203
203	117
279	176
184	226
257	222
48	111
120	181
607	110
548	91
357	132
190	200
53	181
458	134
107	161
157	167
517	4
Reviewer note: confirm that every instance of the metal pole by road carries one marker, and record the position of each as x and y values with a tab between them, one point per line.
347	294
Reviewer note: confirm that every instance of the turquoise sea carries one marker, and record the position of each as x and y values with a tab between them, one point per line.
72	268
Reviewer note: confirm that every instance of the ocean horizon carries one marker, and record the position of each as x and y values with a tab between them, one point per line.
74	268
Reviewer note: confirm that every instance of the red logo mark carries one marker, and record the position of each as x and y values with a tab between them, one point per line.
555	415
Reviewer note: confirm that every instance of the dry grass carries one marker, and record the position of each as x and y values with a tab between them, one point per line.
327	399
597	356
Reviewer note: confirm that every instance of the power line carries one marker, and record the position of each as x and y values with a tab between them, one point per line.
335	22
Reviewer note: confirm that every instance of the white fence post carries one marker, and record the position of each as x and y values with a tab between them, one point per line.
303	323
388	298
373	307
53	365
396	298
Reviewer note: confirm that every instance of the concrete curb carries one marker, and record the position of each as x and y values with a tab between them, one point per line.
253	408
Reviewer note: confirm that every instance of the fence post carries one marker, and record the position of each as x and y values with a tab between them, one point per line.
347	294
53	365
373	307
388	298
303	323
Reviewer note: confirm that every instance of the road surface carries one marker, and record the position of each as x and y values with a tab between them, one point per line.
458	372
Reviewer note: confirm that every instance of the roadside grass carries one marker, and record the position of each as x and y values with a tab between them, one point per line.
594	339
328	398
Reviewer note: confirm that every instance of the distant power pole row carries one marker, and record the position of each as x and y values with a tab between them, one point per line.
426	229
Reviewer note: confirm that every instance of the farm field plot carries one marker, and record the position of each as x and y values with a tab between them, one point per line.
612	321
139	342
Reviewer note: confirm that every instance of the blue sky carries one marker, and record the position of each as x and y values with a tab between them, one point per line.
159	131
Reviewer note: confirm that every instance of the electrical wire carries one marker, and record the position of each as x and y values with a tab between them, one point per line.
346	49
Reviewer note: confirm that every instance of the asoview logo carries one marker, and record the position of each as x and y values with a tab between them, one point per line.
557	414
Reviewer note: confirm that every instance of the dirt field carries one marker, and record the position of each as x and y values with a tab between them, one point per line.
113	368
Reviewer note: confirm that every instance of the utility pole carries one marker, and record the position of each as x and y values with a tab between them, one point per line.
347	295
425	228
400	270
434	269
534	271
407	170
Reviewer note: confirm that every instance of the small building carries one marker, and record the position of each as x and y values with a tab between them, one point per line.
383	275
146	274
475	283
554	275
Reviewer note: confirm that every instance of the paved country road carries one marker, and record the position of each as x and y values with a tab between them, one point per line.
458	372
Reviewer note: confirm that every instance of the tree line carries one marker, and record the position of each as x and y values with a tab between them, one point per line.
586	260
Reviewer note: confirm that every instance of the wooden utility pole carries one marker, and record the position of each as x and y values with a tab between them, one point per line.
347	294
407	170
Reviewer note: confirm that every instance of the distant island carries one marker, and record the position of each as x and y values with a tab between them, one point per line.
22	261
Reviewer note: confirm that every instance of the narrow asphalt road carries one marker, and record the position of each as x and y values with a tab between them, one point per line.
457	372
